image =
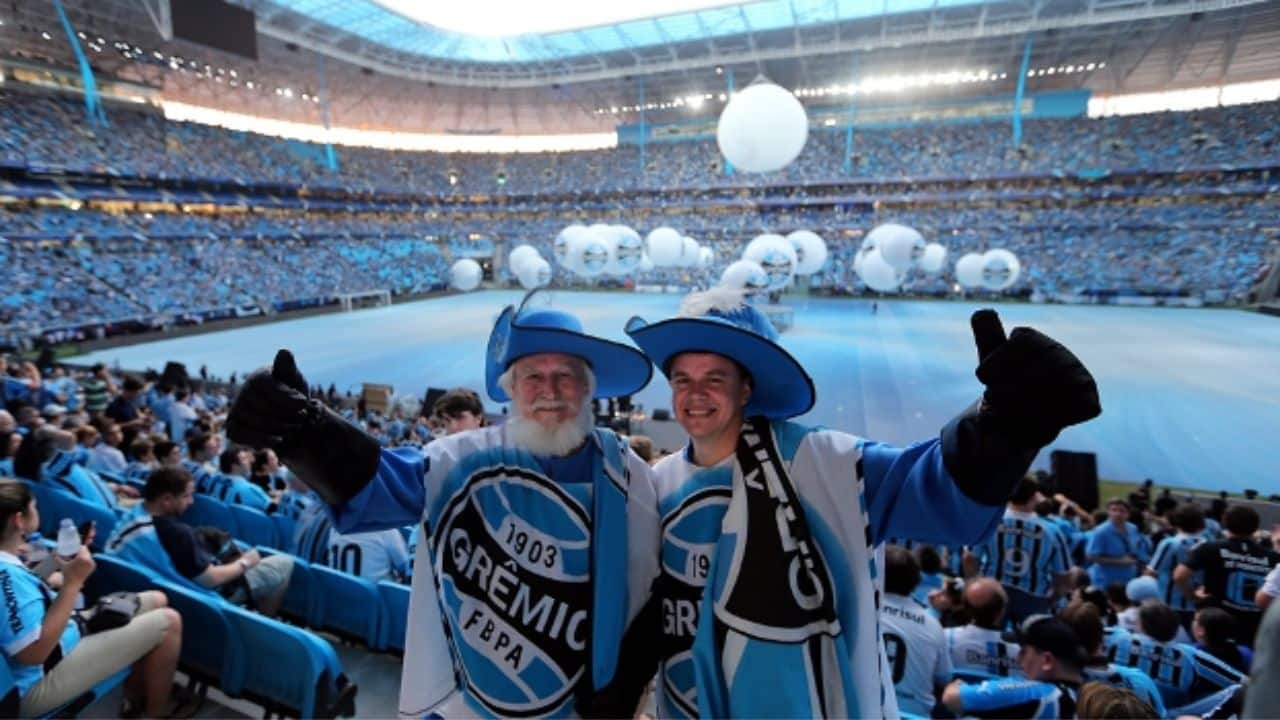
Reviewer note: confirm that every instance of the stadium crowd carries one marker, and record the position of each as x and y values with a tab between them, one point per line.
47	130
1157	597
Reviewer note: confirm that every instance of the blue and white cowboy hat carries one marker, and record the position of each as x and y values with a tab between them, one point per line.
718	321
519	332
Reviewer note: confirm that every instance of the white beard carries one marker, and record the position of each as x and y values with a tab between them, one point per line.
557	441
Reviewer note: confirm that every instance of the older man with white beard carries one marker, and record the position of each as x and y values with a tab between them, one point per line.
542	532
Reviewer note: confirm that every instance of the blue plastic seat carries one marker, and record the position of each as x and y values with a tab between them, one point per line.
350	606
65	505
302	601
211	652
284	531
395	616
287	669
207	512
254	526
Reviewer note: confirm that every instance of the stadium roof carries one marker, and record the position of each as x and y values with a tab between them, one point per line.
407	26
1111	47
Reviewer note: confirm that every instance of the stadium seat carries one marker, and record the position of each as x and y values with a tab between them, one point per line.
290	670
346	605
114	574
207	512
211	652
284	531
254	526
56	504
395	616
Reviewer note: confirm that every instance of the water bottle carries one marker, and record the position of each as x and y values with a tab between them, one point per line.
68	539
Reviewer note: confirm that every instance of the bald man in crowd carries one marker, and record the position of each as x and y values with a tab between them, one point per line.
979	647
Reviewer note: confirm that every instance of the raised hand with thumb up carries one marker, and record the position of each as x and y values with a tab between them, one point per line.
329	454
1035	387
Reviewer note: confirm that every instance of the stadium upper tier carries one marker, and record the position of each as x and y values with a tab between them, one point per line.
45	130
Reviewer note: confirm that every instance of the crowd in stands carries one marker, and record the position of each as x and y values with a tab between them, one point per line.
1157	598
50	130
395	220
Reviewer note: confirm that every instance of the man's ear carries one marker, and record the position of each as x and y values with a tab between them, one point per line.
746	396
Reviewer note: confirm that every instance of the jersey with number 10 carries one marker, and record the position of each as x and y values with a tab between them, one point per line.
1027	552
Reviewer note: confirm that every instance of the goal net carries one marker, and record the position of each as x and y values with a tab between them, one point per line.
365	299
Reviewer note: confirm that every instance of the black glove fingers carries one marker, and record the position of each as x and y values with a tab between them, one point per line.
988	332
285	369
253	437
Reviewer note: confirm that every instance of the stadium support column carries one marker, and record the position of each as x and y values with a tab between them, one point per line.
728	79
644	130
330	156
92	104
1017	95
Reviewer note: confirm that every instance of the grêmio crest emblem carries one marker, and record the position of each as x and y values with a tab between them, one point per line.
512	554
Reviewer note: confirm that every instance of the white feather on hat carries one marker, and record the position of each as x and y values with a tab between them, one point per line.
720	298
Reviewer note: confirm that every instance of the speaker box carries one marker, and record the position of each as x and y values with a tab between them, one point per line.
429	400
175	375
661	414
1076	474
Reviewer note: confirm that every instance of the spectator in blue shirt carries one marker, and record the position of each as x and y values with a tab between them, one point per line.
231	483
1052	659
1115	549
49	658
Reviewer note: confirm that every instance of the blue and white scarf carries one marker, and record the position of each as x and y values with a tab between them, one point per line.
769	637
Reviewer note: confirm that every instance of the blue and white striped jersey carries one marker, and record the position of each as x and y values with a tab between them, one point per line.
1171	552
1181	672
1027	553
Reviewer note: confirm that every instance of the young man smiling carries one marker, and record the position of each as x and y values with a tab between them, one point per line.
769	588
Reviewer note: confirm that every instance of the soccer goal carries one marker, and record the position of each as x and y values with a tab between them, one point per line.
365	299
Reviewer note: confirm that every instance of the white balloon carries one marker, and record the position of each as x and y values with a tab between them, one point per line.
560	247
811	251
899	245
665	246
745	275
934	258
706	256
630	246
776	255
878	274
534	273
1000	269
465	275
762	128
688	252
969	270
595	251
519	255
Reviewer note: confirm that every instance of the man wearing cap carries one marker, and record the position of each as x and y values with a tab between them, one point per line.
770	581
541	532
1051	657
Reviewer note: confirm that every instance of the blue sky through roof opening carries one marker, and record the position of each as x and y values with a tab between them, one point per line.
375	23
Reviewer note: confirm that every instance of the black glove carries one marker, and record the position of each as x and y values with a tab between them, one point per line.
1035	387
329	454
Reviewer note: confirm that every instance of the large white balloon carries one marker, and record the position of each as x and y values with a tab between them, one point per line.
899	245
664	245
534	273
1000	269
520	255
878	274
465	275
630	246
595	251
745	275
689	251
776	255
811	251
706	256
762	128
969	270
560	248
933	259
